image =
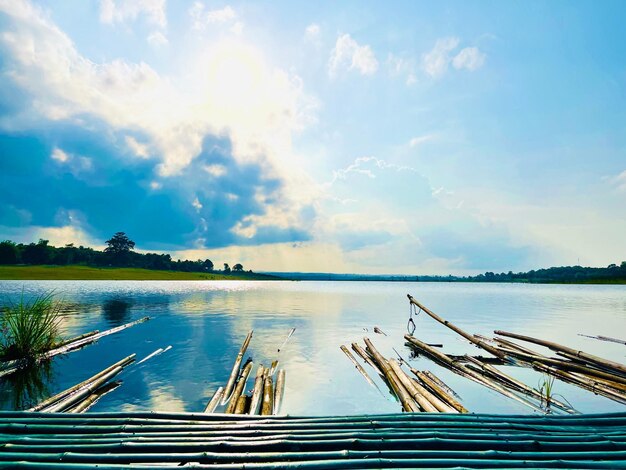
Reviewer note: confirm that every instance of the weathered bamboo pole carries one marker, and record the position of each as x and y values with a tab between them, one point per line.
293	330
235	372
242	403
273	368
512	382
75	338
359	367
95	397
361	352
279	391
604	338
590	358
440	404
267	406
441	384
424	403
471	338
443	394
454	366
239	388
55	398
408	403
217	396
155	353
257	393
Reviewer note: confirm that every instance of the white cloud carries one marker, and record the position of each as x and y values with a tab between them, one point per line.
59	155
619	181
215	170
470	58
348	54
364	165
312	31
139	149
157	39
202	17
436	61
197	204
120	11
416	141
401	66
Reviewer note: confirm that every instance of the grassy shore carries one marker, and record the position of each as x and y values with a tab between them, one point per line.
24	273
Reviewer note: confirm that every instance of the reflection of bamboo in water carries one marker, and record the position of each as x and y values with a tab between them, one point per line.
94	397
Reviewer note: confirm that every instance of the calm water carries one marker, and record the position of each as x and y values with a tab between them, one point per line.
206	322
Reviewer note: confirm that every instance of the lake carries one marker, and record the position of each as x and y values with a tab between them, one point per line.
206	322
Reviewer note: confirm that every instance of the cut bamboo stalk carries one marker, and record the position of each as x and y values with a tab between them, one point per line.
417	395
514	346
440	404
239	388
242	402
471	338
217	396
366	357
279	391
95	397
81	393
273	368
257	393
235	372
443	395
454	366
596	360
604	338
441	384
359	367
53	399
155	353
408	403
267	407
75	338
293	330
505	379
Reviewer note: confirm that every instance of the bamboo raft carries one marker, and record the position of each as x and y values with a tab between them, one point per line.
220	441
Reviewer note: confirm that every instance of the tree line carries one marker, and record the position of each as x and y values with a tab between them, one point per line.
118	253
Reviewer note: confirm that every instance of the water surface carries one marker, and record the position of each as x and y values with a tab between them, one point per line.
205	322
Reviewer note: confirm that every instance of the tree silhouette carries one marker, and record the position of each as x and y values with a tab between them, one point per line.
238	267
226	268
119	247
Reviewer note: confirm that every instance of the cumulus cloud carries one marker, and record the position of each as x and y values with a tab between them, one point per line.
402	67
139	149
348	54
120	11
157	39
470	58
619	181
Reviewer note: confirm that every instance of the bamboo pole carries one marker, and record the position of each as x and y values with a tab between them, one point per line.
242	403
616	367
55	398
239	388
604	338
417	395
155	353
360	368
505	379
441	384
257	393
217	396
267	406
443	395
279	391
76	338
273	368
235	372
95	397
454	366
408	403
293	330
471	338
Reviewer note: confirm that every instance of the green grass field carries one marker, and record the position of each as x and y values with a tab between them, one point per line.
24	273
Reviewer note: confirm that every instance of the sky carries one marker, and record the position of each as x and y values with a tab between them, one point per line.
352	137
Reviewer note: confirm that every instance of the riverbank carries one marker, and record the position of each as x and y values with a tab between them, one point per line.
80	273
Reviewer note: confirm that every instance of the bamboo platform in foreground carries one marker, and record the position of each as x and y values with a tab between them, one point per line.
224	441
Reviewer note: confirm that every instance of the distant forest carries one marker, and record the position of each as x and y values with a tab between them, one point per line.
118	253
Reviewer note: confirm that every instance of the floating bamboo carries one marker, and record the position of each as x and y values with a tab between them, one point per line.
408	403
441	384
257	392
267	406
241	383
441	392
235	372
59	396
359	367
424	403
615	367
217	396
95	397
604	338
471	338
293	330
279	391
242	403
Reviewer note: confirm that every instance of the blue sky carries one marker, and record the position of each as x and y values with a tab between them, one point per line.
371	137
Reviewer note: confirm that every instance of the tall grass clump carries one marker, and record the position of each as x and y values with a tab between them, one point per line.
29	327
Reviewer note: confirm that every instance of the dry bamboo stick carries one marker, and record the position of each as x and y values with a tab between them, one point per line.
55	398
257	393
95	397
273	368
235	372
604	338
417	395
293	330
155	353
616	367
454	366
408	403
267	407
76	338
241	383
242	402
471	338
359	368
441	384
366	357
279	391
434	386
217	396
505	379
440	404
